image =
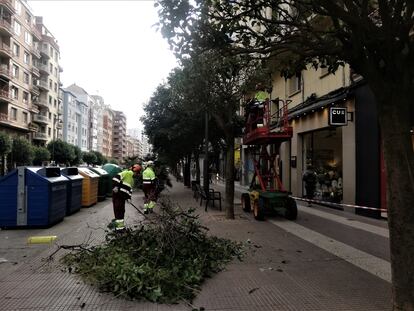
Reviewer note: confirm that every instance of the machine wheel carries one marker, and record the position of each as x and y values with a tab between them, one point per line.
291	209
258	209
245	202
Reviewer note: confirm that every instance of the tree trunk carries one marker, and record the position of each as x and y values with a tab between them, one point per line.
197	165
394	113
187	171
229	196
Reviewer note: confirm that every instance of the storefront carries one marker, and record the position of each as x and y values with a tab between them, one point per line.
322	149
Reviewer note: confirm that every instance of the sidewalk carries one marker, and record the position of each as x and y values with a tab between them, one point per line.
279	272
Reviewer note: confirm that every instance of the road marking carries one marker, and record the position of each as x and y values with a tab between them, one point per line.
374	265
352	223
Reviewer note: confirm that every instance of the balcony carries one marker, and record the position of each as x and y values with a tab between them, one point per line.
35	71
8	5
43	68
45	52
43	85
34	90
33	127
33	108
42	103
5	50
5	27
40	136
5	96
36	33
5	72
35	52
5	120
40	119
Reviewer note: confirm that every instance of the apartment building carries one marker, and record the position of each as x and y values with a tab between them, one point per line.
133	147
107	131
83	102
19	39
97	111
119	142
73	118
48	83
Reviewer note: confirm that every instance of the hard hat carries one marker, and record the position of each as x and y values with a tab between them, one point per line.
136	168
150	163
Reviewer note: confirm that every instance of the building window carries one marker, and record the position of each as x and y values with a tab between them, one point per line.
50	100
14	92
295	84
50	84
51	69
55	72
49	131
25	97
26	78
55	87
28	38
50	116
26	58
13	114
16	50
17	28
51	52
55	102
18	7
25	117
28	19
15	71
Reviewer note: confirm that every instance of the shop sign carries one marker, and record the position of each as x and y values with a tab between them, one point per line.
338	116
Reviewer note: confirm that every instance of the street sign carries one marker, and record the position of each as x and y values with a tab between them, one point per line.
338	116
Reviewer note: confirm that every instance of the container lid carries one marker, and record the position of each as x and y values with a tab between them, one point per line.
86	172
99	170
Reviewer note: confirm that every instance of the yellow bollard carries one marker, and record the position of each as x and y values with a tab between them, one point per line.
41	239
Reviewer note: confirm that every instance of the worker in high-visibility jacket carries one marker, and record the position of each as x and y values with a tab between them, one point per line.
121	191
149	186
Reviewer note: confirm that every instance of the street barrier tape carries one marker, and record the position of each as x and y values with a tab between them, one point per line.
340	204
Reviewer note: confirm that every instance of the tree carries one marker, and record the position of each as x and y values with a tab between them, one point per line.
89	158
375	37
61	151
22	152
78	155
100	159
5	148
41	154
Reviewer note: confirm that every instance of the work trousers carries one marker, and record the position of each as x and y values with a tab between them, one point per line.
118	200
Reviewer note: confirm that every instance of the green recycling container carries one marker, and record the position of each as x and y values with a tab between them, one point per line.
105	182
112	170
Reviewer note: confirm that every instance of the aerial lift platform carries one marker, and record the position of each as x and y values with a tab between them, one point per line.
264	133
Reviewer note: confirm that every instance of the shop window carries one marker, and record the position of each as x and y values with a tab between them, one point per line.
322	150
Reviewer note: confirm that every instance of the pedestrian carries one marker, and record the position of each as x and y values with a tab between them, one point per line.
149	184
122	185
310	180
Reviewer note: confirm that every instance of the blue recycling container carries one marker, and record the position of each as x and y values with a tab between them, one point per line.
74	189
32	197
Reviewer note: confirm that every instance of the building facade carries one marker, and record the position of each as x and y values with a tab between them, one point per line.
119	142
107	132
24	106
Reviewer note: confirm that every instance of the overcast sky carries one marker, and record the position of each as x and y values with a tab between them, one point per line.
110	49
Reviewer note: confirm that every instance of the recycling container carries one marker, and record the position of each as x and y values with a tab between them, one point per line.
89	186
112	170
32	197
74	189
105	182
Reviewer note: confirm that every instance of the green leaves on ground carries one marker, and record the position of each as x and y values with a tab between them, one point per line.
164	259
